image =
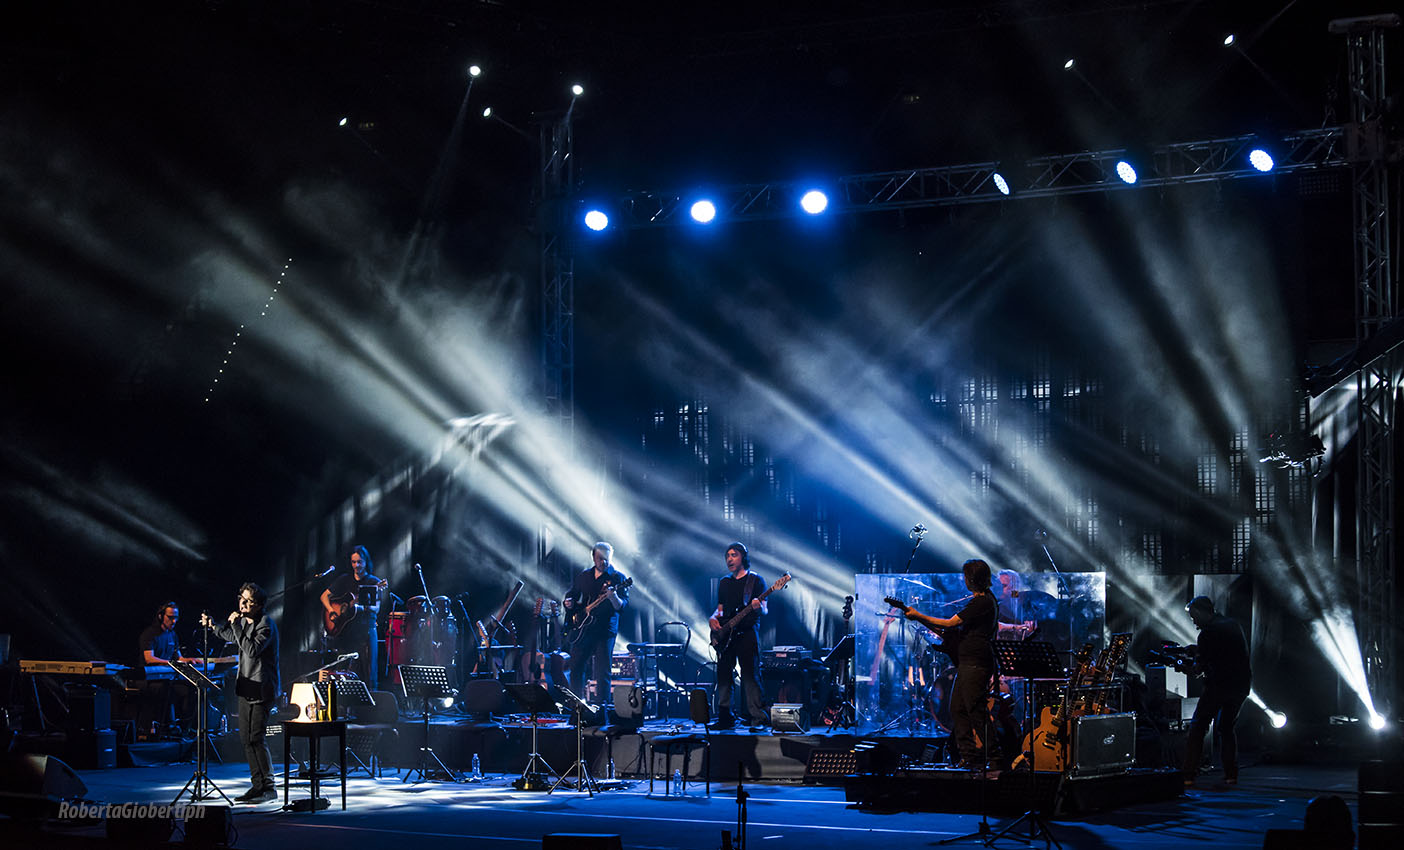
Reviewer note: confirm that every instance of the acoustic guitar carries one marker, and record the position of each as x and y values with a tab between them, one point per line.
344	609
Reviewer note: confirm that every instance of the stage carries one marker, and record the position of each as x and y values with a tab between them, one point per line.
387	812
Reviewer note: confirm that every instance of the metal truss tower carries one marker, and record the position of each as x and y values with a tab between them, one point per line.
1376	305
557	275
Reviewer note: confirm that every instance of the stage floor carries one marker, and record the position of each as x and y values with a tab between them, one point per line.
386	812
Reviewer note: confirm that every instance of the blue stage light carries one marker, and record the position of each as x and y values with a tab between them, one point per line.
814	202
1126	171
704	211
1000	183
1260	159
596	220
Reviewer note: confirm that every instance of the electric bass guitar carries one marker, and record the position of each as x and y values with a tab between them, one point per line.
344	609
583	617
721	637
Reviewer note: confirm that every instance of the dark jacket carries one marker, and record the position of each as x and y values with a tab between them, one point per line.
257	640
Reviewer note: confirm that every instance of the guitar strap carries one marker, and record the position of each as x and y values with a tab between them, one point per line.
750	590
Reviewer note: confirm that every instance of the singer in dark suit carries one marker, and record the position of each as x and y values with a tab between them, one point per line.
254	633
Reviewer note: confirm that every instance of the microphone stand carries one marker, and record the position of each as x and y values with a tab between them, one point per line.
1064	592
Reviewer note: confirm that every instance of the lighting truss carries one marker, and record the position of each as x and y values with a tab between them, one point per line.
973	183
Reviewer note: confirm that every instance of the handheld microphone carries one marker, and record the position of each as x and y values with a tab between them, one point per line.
324	573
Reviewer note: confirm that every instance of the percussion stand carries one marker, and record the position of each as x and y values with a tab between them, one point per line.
200	785
428	683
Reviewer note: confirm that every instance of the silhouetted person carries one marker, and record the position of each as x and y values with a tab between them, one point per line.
1223	661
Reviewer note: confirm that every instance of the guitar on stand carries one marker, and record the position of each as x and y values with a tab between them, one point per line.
487	636
544	665
1049	740
842	709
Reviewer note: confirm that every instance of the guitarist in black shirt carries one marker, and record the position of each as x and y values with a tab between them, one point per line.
971	630
591	632
736	591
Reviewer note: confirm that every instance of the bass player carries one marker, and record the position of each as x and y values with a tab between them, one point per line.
351	607
592	608
739	590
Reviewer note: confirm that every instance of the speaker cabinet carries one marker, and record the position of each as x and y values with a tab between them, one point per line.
1103	744
633	704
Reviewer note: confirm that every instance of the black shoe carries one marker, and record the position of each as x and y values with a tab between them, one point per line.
721	725
265	796
249	795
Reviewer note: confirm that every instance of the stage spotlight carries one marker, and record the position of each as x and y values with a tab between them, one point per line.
1126	171
1228	40
487	111
577	90
1277	719
474	71
1000	183
1068	65
596	220
704	211
814	202
343	122
1260	159
1377	722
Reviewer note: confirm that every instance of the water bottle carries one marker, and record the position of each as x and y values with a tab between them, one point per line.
477	767
677	783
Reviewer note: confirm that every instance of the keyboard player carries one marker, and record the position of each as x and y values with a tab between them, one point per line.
172	699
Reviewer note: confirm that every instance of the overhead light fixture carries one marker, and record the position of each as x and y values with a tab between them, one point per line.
474	71
703	211
596	220
1127	172
1000	183
577	90
487	111
814	202
1068	65
1261	160
1228	40
1292	449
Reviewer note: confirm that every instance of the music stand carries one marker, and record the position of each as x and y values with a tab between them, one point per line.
341	693
427	683
535	700
1028	660
200	785
584	781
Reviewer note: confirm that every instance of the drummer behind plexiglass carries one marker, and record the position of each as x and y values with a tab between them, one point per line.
360	635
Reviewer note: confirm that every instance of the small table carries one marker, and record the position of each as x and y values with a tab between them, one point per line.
314	731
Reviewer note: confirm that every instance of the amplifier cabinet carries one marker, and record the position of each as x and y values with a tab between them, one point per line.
1103	744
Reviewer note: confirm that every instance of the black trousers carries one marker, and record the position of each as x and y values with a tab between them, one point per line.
253	724
969	710
590	657
745	650
1221	708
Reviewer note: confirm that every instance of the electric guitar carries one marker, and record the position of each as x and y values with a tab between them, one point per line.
344	609
949	638
583	617
1047	743
721	638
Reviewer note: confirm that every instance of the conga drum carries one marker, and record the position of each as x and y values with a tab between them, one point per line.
395	634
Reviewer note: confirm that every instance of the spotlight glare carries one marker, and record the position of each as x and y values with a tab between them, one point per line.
474	70
704	211
1000	183
1228	40
577	90
487	112
1278	719
1068	65
1261	160
814	202
1126	172
596	220
1377	722
343	122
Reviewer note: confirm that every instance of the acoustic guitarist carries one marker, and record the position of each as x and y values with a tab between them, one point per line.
971	630
350	608
594	626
